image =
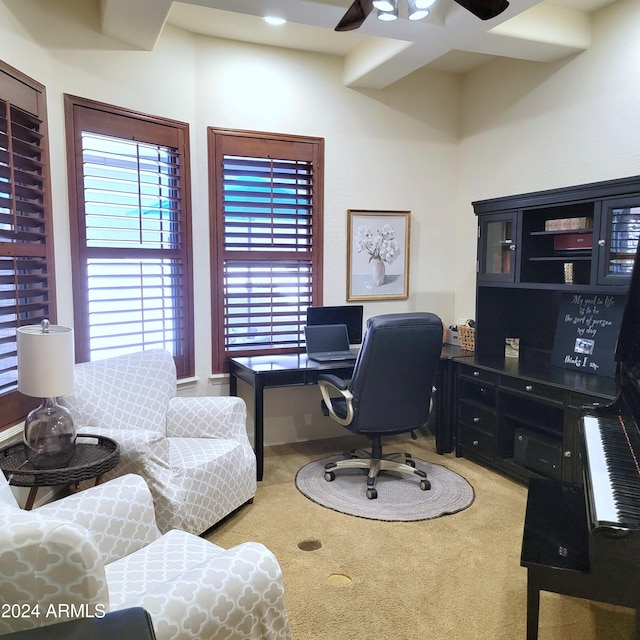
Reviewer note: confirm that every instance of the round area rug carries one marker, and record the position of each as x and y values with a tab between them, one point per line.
399	497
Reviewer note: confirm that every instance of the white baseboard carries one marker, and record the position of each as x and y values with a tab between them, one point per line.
11	435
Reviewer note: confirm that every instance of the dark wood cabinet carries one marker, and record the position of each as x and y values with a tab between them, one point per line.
533	249
521	417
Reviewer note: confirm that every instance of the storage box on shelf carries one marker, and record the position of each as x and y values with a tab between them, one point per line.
467	337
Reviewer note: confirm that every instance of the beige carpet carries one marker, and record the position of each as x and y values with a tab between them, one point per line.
454	577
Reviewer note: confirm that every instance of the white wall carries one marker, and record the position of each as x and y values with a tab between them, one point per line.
391	149
529	126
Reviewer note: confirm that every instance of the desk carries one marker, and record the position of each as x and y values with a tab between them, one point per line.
294	370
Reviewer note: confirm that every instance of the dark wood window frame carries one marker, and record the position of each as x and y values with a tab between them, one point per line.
27	280
171	247
282	244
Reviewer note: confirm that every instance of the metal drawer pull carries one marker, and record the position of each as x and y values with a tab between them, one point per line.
476	419
476	373
475	443
529	387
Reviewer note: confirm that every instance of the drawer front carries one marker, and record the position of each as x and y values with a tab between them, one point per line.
472	391
475	416
579	400
531	388
480	375
476	441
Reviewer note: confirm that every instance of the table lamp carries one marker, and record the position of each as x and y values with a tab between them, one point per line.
46	370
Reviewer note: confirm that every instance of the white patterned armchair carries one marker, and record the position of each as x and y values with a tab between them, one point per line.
100	550
193	452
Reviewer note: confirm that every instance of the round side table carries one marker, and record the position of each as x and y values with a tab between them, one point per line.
94	456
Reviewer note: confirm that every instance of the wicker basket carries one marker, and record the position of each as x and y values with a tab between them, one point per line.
467	337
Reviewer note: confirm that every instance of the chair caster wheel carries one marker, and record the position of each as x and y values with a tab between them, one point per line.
329	476
372	494
410	462
425	485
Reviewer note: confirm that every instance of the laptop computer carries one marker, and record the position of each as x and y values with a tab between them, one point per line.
328	343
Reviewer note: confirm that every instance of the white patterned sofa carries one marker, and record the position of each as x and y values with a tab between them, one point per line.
193	452
100	550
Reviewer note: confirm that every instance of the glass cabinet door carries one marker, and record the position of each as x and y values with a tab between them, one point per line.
619	234
497	247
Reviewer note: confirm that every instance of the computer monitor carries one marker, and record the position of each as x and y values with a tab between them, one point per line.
351	315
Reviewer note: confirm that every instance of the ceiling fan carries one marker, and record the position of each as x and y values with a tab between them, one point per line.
357	13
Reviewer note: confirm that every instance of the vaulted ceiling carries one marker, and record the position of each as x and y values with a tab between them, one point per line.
379	53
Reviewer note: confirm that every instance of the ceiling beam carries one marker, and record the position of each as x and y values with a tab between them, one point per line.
136	22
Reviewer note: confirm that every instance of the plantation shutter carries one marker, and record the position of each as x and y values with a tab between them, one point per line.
26	242
133	241
268	243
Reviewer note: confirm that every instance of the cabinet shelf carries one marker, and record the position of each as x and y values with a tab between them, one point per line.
568	258
559	232
534	424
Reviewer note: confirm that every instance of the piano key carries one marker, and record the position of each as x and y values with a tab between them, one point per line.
601	486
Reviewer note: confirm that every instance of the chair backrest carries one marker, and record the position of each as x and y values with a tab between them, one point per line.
128	392
395	372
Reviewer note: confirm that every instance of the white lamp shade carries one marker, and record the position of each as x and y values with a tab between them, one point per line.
45	361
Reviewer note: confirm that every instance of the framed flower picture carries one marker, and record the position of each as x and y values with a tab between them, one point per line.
378	255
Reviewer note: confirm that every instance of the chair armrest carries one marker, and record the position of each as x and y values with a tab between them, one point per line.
47	562
333	380
118	514
327	382
207	417
225	586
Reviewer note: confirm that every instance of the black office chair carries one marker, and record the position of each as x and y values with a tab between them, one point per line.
389	393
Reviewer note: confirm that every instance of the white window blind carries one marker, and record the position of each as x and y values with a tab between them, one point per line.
268	244
133	245
26	244
267	209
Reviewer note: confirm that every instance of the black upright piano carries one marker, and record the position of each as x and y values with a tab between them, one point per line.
584	540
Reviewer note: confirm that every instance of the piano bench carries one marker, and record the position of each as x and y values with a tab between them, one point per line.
556	548
555	543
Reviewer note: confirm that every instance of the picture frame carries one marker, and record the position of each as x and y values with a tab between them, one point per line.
378	254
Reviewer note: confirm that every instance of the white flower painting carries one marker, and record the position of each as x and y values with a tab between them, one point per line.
378	255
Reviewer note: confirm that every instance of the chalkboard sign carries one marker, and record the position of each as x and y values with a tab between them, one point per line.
587	332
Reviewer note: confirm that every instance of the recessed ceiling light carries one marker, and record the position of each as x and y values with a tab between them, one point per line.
274	20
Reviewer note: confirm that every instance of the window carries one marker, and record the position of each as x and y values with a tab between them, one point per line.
131	232
266	220
26	241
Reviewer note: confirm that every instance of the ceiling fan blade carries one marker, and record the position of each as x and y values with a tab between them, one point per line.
484	9
356	14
